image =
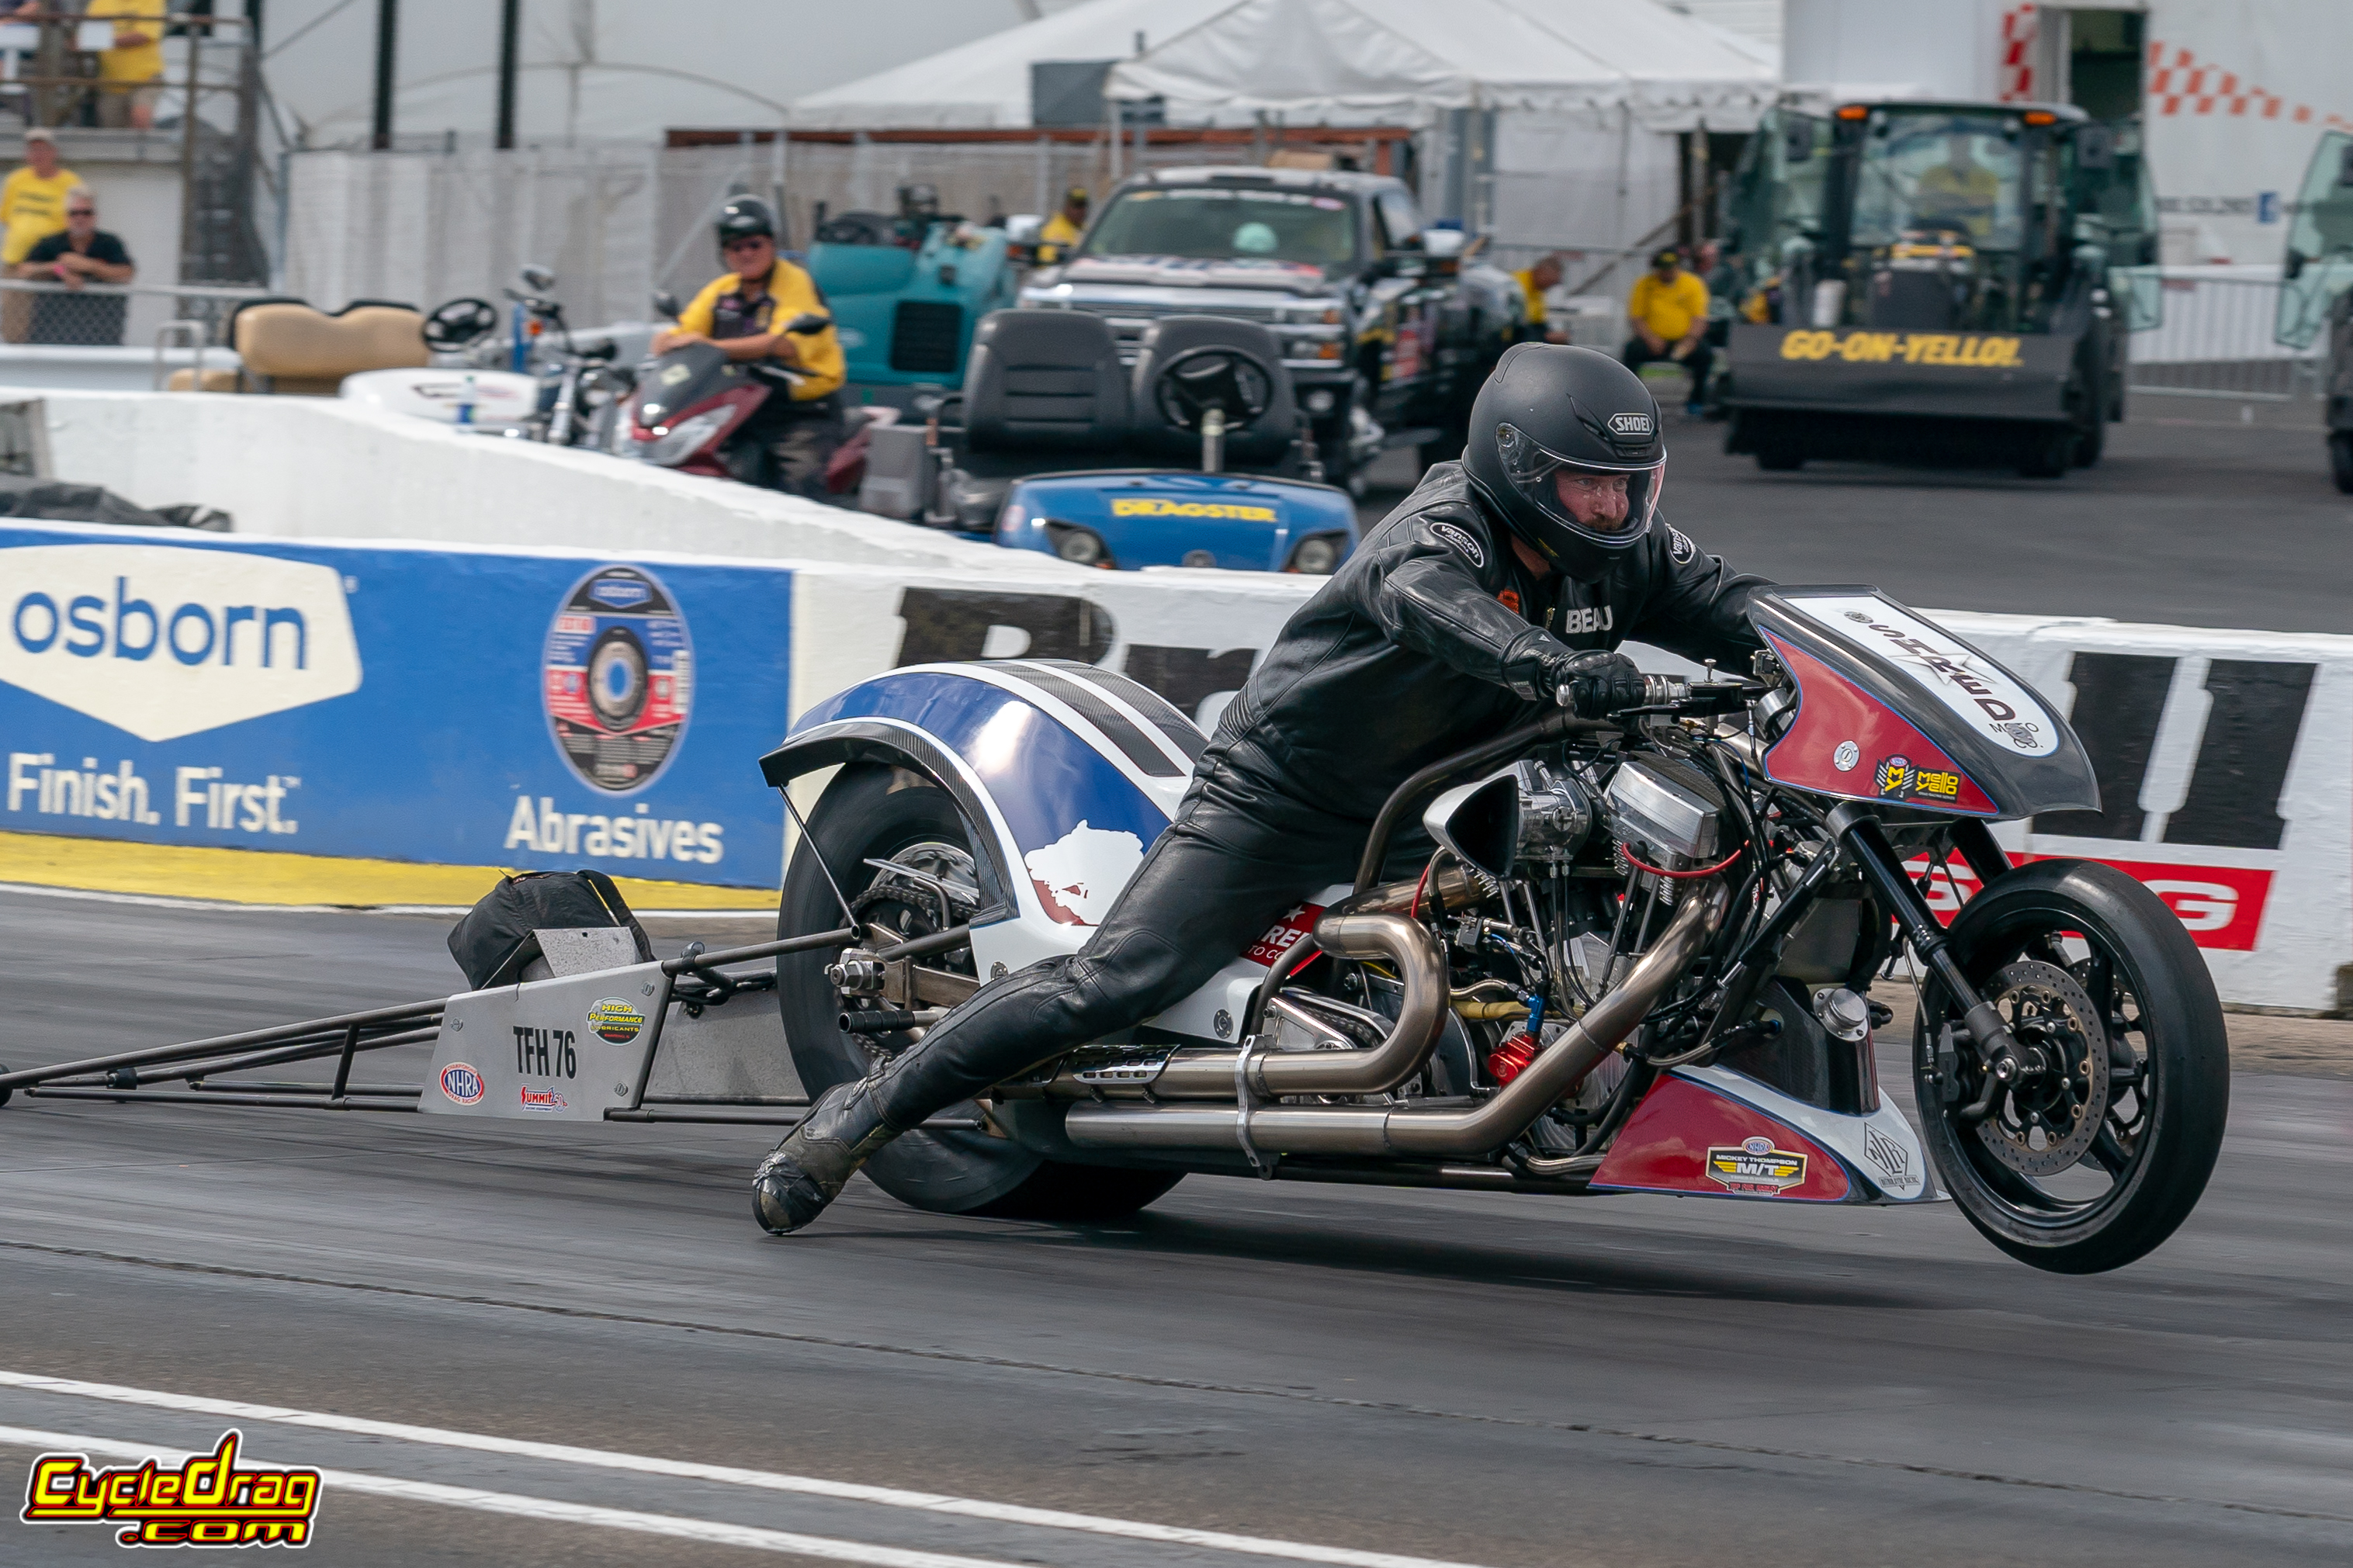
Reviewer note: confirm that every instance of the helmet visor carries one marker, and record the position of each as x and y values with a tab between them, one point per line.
1609	504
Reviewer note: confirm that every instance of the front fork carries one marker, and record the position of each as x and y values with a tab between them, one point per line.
1861	833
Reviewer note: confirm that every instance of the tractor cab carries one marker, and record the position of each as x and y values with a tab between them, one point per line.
1909	266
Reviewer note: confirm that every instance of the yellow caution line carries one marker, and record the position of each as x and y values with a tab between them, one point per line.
258	877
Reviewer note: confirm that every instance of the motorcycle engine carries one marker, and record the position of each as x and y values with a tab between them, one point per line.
1555	815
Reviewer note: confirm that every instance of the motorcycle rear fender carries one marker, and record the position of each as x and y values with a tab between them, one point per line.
1065	775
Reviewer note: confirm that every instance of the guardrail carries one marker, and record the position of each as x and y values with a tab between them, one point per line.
2216	342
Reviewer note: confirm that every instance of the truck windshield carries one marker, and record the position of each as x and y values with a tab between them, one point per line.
1210	224
1938	172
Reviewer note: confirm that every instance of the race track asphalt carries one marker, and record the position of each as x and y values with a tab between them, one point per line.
1474	1378
2190	518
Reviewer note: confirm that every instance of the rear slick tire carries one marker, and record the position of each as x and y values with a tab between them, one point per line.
875	812
2162	1013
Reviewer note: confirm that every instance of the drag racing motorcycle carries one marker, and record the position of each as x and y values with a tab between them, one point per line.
1638	957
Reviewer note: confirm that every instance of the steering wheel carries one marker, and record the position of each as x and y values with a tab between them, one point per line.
459	325
1209	377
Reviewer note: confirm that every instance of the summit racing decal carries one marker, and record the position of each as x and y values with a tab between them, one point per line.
1756	1168
617	677
1963	351
1149	507
1461	541
207	1499
1960	677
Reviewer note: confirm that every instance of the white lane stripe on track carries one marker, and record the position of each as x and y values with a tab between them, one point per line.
547	1509
766	1480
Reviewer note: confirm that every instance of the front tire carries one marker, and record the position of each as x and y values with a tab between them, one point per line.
871	811
2091	969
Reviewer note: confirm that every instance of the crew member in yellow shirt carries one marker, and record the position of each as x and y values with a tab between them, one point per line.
33	199
128	74
743	312
1535	283
1062	230
1669	310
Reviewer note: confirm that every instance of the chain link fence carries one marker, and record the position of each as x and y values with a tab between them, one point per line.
102	315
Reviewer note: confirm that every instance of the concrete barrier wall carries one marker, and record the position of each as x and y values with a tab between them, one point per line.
2223	755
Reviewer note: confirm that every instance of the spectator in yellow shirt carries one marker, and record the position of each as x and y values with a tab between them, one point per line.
1062	230
127	73
33	199
1669	308
1535	283
743	314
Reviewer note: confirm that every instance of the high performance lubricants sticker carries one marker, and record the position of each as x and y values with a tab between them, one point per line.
617	677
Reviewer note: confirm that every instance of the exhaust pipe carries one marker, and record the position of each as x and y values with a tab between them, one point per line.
1215	1072
1386	1129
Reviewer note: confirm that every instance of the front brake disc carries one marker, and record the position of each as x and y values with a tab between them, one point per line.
2045	1122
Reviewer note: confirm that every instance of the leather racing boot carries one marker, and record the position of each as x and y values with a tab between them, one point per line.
809	1168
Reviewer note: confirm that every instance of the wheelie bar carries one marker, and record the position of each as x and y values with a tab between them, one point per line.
1861	833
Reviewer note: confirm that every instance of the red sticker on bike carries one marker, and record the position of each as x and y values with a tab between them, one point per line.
1284	934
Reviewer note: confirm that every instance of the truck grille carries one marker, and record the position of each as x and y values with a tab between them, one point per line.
924	337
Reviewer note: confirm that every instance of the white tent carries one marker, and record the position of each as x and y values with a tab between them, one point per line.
984	84
1402	61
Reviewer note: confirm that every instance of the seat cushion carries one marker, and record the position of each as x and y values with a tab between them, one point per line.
1044	380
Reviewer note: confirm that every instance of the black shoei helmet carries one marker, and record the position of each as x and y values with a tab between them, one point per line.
1550	413
746	217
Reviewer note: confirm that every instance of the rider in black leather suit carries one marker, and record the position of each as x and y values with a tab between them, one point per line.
1498	589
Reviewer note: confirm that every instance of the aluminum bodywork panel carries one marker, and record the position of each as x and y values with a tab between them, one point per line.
566	1049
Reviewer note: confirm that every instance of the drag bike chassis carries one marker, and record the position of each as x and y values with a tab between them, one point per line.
579	1042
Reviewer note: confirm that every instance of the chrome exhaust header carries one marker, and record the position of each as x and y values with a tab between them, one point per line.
1395	1130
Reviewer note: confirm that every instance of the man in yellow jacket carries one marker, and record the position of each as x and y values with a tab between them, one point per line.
1063	230
1669	310
743	314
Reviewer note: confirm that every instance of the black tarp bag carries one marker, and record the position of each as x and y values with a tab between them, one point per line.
495	940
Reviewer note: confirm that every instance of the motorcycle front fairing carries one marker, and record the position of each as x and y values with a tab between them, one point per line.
1895	709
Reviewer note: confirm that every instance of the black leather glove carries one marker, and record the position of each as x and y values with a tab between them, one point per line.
1595	684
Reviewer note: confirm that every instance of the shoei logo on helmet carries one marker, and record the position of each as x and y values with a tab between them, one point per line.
461	1083
1630	425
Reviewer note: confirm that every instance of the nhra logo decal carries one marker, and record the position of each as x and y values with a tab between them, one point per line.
1461	541
1756	1168
1630	425
461	1083
616	1021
